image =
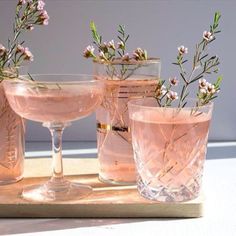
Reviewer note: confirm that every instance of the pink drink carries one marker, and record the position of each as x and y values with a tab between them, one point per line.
11	143
115	152
54	105
170	148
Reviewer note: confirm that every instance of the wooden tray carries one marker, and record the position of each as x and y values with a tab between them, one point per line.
105	201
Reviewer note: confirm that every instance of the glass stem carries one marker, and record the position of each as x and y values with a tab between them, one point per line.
57	166
56	130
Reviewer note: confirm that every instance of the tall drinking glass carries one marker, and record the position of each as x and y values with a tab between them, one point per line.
55	101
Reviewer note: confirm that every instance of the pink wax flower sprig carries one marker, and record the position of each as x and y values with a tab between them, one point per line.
109	51
203	65
165	94
114	52
29	13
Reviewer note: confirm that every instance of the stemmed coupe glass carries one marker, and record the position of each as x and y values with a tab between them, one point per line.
55	101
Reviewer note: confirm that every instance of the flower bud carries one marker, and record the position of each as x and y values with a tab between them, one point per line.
20	49
102	56
88	52
40	5
207	35
140	54
28	55
182	50
202	83
121	45
104	47
30	27
173	81
111	45
126	57
2	50
21	2
172	95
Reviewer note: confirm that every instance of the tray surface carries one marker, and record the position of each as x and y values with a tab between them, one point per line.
105	201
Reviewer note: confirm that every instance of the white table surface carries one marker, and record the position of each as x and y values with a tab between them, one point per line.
219	219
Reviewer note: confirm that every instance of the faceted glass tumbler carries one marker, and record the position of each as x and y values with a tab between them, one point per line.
169	149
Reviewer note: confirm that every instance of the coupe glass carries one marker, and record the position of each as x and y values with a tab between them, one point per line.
55	100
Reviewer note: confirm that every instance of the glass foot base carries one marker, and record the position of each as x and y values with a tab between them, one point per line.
52	193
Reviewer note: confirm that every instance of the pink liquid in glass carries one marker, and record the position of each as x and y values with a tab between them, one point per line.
115	152
11	143
170	149
54	105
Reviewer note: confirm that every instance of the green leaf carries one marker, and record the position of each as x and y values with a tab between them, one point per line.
182	76
127	38
120	39
121	29
97	38
93	26
184	104
197	78
182	91
120	54
212	98
218	81
217	17
203	57
185	96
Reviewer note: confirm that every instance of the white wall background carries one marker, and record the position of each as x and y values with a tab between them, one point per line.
157	25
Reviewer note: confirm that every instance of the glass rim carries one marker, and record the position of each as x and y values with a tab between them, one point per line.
134	101
25	79
118	61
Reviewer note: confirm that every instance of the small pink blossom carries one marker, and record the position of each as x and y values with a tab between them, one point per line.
111	44
120	45
45	22
202	83
88	52
25	52
30	27
173	81
40	5
140	54
2	50
104	47
163	90
22	2
102	55
203	91
182	50
126	57
172	95
211	88
28	55
44	15
20	48
207	35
